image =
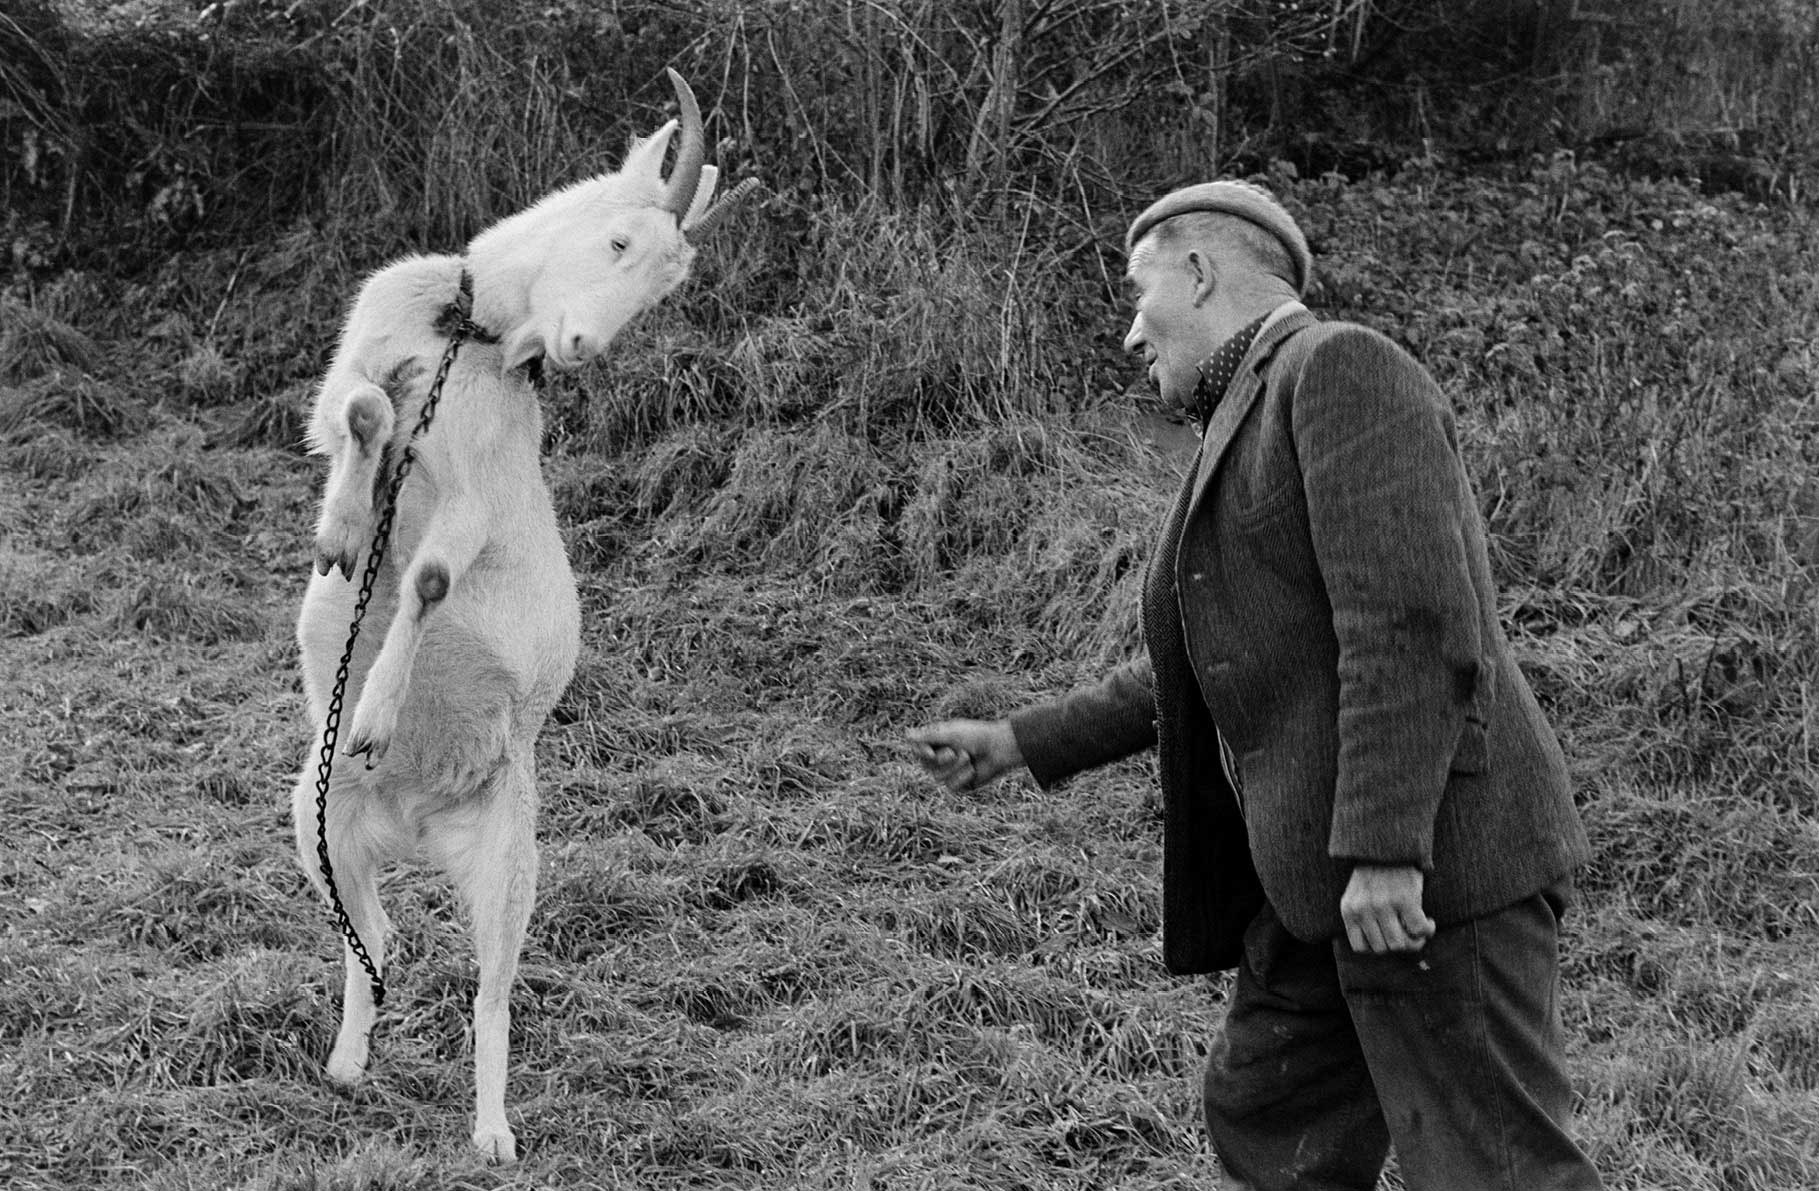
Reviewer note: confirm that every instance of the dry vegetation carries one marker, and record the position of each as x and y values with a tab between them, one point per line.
866	470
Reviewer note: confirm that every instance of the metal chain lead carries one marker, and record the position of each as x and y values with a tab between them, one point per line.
332	726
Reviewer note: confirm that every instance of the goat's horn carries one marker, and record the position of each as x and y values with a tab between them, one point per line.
686	175
718	210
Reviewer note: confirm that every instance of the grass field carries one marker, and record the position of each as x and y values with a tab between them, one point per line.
766	952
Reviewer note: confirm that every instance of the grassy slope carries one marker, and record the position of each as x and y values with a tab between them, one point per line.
766	953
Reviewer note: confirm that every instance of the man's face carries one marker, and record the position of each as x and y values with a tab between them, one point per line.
1169	327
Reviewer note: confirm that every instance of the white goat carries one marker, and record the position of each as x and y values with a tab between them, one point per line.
485	626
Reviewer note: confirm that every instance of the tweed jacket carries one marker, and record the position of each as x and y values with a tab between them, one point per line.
1339	624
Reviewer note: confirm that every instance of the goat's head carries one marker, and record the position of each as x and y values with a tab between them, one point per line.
562	278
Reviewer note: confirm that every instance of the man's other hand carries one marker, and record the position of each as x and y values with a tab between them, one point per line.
1382	910
966	754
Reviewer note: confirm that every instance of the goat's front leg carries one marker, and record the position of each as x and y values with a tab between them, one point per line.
356	434
451	542
363	426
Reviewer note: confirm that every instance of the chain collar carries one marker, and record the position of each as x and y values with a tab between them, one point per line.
458	317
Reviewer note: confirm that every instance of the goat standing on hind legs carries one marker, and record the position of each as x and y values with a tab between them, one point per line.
438	761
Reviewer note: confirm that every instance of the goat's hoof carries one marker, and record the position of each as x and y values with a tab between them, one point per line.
371	749
328	560
496	1145
375	720
368	740
343	533
346	1070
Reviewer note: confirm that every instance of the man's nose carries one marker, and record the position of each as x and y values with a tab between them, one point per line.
1133	338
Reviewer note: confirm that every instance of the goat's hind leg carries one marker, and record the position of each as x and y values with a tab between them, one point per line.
354	860
493	860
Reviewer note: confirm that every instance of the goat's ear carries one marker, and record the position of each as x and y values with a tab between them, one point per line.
522	346
646	157
704	194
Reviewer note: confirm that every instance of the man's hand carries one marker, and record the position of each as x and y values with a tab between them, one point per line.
1382	909
966	754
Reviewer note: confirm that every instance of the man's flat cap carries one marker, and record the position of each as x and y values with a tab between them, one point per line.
1243	199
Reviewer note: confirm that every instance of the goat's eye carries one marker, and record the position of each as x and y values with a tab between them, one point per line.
619	245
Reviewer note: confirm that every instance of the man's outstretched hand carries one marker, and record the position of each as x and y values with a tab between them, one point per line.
1382	910
1381	907
966	754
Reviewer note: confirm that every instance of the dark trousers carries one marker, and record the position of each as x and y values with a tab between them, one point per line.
1453	1053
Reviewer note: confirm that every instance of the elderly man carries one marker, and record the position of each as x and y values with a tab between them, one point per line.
1366	813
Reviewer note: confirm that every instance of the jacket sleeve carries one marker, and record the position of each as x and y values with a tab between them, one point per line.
1090	726
1388	503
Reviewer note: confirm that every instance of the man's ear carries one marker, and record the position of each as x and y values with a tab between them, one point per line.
1204	280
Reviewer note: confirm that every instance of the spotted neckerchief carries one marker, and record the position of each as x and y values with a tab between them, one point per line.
1218	370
